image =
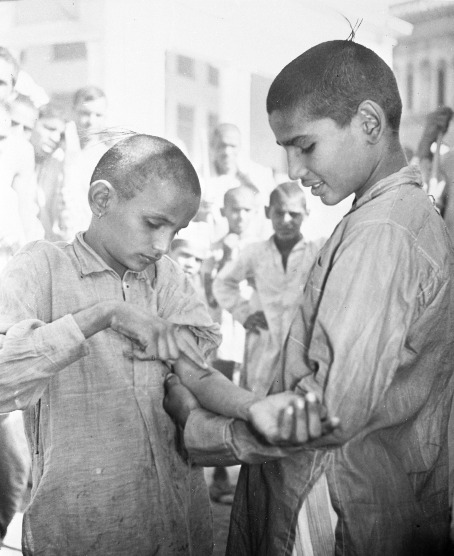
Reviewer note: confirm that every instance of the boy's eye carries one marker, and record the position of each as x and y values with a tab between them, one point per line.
152	225
309	149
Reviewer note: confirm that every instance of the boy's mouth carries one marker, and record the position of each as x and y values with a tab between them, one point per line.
150	259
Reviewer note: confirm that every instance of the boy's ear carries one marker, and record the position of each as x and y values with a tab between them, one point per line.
100	196
267	212
372	120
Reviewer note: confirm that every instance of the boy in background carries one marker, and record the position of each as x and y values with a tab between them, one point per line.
88	330
189	250
278	269
240	210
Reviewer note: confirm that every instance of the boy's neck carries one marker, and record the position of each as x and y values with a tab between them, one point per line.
392	160
285	247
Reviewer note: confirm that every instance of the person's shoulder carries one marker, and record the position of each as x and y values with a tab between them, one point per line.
19	149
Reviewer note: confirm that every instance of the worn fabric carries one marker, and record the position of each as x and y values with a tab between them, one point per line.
224	251
14	467
374	339
19	222
107	475
277	292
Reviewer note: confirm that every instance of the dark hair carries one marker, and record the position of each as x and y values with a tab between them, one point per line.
6	55
288	189
86	94
232	193
52	110
140	159
220	128
332	79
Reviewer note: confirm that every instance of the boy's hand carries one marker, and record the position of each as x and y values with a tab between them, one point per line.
155	338
178	401
289	419
256	321
436	122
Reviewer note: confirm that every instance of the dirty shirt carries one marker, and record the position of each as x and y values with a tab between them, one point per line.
108	477
374	340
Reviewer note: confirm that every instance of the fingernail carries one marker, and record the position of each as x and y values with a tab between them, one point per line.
289	410
311	397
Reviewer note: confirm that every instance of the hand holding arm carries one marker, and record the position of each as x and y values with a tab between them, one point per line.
154	337
436	122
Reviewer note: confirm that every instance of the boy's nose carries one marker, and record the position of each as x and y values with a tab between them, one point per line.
296	166
287	217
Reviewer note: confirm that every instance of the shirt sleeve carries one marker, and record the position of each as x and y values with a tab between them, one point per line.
226	285
31	350
179	303
376	286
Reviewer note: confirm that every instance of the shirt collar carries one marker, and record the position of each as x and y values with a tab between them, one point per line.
408	175
90	262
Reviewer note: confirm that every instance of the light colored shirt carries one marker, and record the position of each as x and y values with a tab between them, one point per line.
19	222
278	292
108	478
374	339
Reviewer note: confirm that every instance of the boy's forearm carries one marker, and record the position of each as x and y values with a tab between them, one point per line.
214	391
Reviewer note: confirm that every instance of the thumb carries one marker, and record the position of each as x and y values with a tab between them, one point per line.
171	380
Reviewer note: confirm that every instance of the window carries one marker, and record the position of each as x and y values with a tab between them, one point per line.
185	125
186	66
69	51
213	76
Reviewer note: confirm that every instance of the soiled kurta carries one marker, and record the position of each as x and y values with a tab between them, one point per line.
107	476
374	339
278	292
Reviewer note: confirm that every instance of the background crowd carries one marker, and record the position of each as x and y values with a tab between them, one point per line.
244	251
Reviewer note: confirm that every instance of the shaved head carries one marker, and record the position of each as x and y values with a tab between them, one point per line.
139	160
287	190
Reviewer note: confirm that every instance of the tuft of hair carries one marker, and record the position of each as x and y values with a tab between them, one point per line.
140	159
6	55
87	94
52	110
331	80
248	188
288	189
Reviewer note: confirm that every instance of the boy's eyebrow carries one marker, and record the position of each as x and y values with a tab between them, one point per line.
156	216
292	141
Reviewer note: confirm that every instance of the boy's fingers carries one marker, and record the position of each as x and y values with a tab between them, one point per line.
330	425
286	423
314	424
170	381
300	425
191	352
162	348
174	352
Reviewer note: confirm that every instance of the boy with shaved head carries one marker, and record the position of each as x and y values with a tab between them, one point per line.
373	338
278	269
89	330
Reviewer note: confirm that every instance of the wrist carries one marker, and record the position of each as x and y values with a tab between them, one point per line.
247	409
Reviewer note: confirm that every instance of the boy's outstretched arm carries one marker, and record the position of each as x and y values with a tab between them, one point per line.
284	419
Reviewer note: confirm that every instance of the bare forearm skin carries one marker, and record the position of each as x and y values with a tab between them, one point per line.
214	391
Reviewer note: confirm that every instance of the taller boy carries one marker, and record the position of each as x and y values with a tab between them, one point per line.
373	338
